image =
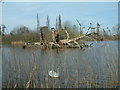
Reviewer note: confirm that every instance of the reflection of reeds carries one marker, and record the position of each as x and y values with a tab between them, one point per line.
76	73
33	73
30	77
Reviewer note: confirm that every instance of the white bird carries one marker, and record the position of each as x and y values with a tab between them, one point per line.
53	73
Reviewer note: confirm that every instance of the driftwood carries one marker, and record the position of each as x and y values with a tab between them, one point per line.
68	41
73	40
52	45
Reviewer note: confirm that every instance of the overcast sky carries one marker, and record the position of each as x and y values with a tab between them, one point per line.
24	13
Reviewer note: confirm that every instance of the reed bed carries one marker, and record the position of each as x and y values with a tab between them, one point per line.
94	67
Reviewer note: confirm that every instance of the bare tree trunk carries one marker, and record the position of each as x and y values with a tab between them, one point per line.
48	22
67	34
38	23
53	36
60	25
42	37
74	40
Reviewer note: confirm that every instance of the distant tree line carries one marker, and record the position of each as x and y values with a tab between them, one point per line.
23	33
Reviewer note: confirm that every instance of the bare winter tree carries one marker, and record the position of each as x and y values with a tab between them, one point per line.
60	25
48	22
38	23
81	28
98	26
56	26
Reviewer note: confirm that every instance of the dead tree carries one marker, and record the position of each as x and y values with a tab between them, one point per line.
55	36
74	40
80	26
38	26
60	25
90	28
98	32
41	33
56	26
67	41
71	42
38	23
98	26
68	36
48	22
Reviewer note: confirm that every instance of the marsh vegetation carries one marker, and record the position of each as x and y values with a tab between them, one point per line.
94	67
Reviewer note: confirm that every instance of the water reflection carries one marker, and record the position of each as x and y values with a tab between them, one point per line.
97	64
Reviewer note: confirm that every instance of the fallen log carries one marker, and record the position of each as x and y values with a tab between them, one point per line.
73	40
54	45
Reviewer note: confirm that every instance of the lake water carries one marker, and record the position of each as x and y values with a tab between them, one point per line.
95	66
